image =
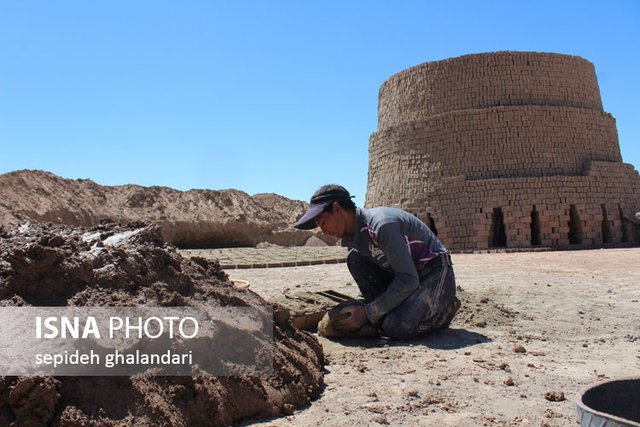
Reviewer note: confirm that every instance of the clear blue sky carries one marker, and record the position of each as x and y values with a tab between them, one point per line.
267	96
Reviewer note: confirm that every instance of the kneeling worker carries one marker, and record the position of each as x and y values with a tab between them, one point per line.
404	273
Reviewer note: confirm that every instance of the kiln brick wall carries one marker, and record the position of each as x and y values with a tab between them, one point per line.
556	153
462	209
488	80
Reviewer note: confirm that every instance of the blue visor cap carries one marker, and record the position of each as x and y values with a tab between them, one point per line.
318	204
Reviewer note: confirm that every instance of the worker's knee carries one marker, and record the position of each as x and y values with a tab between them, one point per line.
399	326
397	329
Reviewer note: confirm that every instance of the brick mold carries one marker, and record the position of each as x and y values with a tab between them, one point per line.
504	149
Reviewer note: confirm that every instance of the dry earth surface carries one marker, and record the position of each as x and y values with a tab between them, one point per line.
534	327
187	219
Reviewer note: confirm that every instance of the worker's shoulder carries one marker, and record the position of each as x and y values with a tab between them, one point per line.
383	215
387	212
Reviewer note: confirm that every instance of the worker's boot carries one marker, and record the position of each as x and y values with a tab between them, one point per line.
453	309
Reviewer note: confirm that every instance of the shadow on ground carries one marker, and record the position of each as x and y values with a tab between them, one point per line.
446	339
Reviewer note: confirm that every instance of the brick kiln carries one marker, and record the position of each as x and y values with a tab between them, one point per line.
505	149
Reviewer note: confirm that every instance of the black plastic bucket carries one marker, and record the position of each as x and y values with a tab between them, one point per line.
610	404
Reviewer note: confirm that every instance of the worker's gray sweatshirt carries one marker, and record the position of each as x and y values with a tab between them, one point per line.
398	242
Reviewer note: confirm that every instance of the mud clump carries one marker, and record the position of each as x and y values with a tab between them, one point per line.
555	396
129	265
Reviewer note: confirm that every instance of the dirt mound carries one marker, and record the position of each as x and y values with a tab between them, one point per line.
482	311
188	219
114	265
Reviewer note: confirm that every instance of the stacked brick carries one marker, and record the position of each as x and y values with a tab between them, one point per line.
503	149
488	80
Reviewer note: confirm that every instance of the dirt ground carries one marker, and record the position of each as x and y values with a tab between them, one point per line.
535	328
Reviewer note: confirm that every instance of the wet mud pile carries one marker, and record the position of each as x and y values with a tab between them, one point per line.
114	265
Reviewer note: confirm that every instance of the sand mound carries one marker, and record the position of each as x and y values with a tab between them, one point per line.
188	219
112	265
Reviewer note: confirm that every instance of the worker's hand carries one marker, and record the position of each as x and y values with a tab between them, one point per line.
352	318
